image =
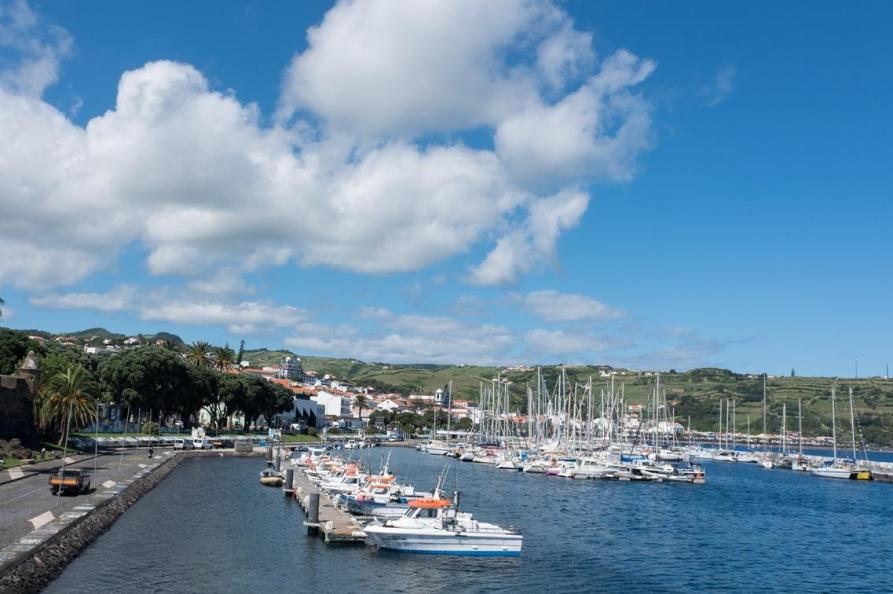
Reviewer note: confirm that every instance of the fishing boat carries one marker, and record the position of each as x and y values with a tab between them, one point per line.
436	527
382	500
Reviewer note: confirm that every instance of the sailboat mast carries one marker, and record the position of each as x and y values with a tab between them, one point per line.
800	425
764	406
449	413
833	425
656	411
784	429
734	427
728	417
720	424
853	424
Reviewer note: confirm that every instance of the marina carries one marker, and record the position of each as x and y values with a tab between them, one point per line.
779	532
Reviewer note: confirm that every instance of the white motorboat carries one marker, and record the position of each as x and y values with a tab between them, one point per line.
435	527
507	463
437	447
665	455
590	468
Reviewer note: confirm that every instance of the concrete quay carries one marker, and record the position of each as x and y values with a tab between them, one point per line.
335	525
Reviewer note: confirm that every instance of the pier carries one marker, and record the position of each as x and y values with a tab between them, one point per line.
335	525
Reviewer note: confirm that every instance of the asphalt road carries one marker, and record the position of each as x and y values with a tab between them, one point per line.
27	504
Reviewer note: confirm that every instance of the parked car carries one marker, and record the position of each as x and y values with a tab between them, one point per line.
70	480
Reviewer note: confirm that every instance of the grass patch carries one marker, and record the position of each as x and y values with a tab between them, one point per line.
13	462
299	438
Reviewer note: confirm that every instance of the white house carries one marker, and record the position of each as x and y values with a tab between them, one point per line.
333	404
388	405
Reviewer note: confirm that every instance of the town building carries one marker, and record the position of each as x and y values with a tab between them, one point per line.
335	404
291	369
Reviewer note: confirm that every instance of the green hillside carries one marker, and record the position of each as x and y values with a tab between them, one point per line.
695	393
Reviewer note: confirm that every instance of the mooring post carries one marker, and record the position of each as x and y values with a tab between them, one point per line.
269	453
313	515
278	463
289	478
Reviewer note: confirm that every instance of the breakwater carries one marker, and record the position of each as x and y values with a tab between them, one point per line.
31	571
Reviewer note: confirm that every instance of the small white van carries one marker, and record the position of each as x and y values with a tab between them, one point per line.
182	444
201	443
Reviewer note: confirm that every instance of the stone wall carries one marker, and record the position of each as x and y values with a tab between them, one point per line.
16	409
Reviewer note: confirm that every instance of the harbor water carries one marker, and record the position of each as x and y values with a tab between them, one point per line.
210	527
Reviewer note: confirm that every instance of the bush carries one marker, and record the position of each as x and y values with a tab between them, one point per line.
311	431
151	428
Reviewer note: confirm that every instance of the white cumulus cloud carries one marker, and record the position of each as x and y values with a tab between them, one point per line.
554	306
350	177
409	338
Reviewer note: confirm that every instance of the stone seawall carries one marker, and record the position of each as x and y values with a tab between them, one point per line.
32	572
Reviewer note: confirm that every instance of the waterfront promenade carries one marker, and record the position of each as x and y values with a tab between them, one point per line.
29	513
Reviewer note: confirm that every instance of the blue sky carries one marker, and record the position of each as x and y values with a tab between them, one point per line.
662	185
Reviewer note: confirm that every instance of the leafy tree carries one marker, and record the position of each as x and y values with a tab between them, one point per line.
276	400
204	387
263	398
170	344
69	398
1	303
13	348
381	418
250	400
155	379
241	352
231	391
199	353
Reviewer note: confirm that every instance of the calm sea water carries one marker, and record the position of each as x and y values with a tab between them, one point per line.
211	528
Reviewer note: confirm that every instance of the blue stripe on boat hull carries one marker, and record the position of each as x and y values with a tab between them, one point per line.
463	553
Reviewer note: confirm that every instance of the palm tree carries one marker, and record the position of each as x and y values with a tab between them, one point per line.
361	403
1	303
224	357
170	344
199	353
68	399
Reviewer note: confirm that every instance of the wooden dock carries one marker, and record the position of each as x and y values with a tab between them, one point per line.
335	525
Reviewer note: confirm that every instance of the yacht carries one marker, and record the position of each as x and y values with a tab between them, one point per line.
434	526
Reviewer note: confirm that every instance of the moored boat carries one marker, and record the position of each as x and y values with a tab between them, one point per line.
271	478
434	526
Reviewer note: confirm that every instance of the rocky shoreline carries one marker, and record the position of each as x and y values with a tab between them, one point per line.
32	572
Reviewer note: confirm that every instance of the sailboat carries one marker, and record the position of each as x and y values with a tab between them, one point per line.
800	464
839	469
